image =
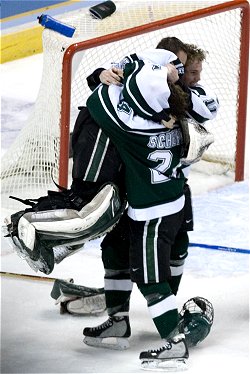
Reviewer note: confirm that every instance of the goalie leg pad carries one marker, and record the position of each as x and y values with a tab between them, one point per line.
89	305
41	235
77	299
68	288
70	223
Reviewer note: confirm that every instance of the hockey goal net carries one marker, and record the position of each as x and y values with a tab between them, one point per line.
40	152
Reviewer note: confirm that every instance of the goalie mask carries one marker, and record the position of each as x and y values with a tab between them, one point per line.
196	319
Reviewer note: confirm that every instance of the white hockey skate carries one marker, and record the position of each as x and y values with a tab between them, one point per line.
172	356
111	334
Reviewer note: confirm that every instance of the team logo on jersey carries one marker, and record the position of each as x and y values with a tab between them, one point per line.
211	104
122	64
180	70
156	67
124	107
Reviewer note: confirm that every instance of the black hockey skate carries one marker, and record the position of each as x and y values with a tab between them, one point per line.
170	357
112	334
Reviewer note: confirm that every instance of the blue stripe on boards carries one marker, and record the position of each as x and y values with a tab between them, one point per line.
220	248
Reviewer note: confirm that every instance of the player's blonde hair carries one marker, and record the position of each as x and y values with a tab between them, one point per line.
194	53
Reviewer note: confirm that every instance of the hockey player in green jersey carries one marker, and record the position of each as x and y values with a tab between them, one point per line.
154	184
151	153
113	277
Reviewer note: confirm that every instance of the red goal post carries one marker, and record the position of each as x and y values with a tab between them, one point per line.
39	154
148	28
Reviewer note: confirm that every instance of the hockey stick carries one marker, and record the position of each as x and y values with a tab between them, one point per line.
27	276
220	248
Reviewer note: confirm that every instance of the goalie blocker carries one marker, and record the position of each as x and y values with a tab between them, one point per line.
44	237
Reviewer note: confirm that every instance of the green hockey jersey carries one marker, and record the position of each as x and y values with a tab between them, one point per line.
151	153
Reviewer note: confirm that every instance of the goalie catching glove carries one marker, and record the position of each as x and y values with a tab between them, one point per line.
59	224
196	140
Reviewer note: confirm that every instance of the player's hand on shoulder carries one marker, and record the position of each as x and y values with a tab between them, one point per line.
172	75
111	76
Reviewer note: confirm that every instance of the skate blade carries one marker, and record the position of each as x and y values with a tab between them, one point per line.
110	343
171	365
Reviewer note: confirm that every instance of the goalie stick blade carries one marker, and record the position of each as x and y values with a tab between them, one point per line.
170	365
119	344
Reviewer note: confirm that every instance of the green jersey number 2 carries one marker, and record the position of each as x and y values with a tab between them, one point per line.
157	173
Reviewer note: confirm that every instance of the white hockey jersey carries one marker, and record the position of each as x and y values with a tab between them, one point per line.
205	103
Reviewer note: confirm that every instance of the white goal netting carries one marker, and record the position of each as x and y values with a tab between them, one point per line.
32	162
